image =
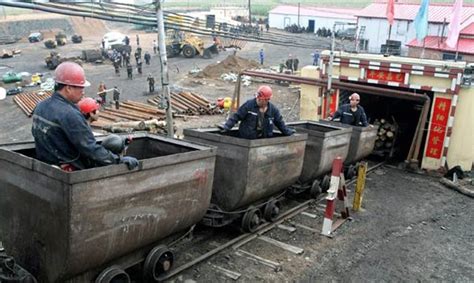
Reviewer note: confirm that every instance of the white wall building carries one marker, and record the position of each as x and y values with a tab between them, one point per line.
312	18
373	17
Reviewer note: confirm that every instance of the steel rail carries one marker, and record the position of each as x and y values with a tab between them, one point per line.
247	237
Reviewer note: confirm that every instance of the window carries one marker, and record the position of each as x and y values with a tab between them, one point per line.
451	56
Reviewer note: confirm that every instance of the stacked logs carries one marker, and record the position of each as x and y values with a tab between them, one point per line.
27	101
386	134
188	103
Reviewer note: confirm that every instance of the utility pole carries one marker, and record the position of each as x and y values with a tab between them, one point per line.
250	14
298	14
165	100
331	63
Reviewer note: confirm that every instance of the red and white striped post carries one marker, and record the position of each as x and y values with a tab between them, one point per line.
331	197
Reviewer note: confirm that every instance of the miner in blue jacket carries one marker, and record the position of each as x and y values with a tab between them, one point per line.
257	117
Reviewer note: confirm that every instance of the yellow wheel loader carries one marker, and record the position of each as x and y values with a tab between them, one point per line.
190	45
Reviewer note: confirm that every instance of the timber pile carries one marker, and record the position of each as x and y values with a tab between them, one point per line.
386	135
188	103
27	101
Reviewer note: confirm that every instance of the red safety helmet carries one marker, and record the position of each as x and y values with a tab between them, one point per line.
264	92
70	73
88	105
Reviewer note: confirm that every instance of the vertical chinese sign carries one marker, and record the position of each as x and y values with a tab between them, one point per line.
437	133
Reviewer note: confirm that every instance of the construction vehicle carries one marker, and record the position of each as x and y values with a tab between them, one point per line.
50	44
76	38
190	45
61	39
53	60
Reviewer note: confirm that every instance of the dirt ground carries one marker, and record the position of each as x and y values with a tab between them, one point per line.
412	228
211	86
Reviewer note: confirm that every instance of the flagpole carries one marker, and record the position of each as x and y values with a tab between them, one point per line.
423	50
457	51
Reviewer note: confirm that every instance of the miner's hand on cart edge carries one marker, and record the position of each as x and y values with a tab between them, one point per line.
352	113
257	117
61	133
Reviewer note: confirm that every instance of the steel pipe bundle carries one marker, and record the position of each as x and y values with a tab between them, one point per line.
27	101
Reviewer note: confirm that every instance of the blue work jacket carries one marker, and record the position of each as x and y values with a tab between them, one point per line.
62	136
248	117
346	116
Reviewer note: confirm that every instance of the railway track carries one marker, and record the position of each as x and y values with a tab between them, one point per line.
237	242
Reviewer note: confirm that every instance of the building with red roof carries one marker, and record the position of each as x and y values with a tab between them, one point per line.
434	47
378	31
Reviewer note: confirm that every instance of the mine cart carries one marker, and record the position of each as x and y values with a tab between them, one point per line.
324	144
361	145
249	173
93	224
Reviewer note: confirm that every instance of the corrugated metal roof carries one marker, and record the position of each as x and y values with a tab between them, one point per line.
436	12
469	29
316	12
465	45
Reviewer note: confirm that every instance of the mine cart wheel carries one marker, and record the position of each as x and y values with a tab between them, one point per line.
251	220
271	210
325	183
316	189
113	274
158	261
350	172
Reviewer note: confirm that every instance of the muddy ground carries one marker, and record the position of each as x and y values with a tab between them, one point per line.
411	229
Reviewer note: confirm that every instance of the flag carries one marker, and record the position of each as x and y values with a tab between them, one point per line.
390	11
421	20
454	27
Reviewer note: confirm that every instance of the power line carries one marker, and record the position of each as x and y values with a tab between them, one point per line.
144	15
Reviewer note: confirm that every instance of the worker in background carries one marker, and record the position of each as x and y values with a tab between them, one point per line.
101	91
257	117
352	113
117	68
139	66
289	62
151	83
137	55
89	107
262	56
62	135
138	40
147	58
129	71
295	64
155	46
126	58
116	97
315	58
267	27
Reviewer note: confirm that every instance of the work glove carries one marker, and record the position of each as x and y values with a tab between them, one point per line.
290	131
222	128
131	162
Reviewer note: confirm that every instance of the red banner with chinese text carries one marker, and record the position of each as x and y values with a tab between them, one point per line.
439	121
332	104
386	76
